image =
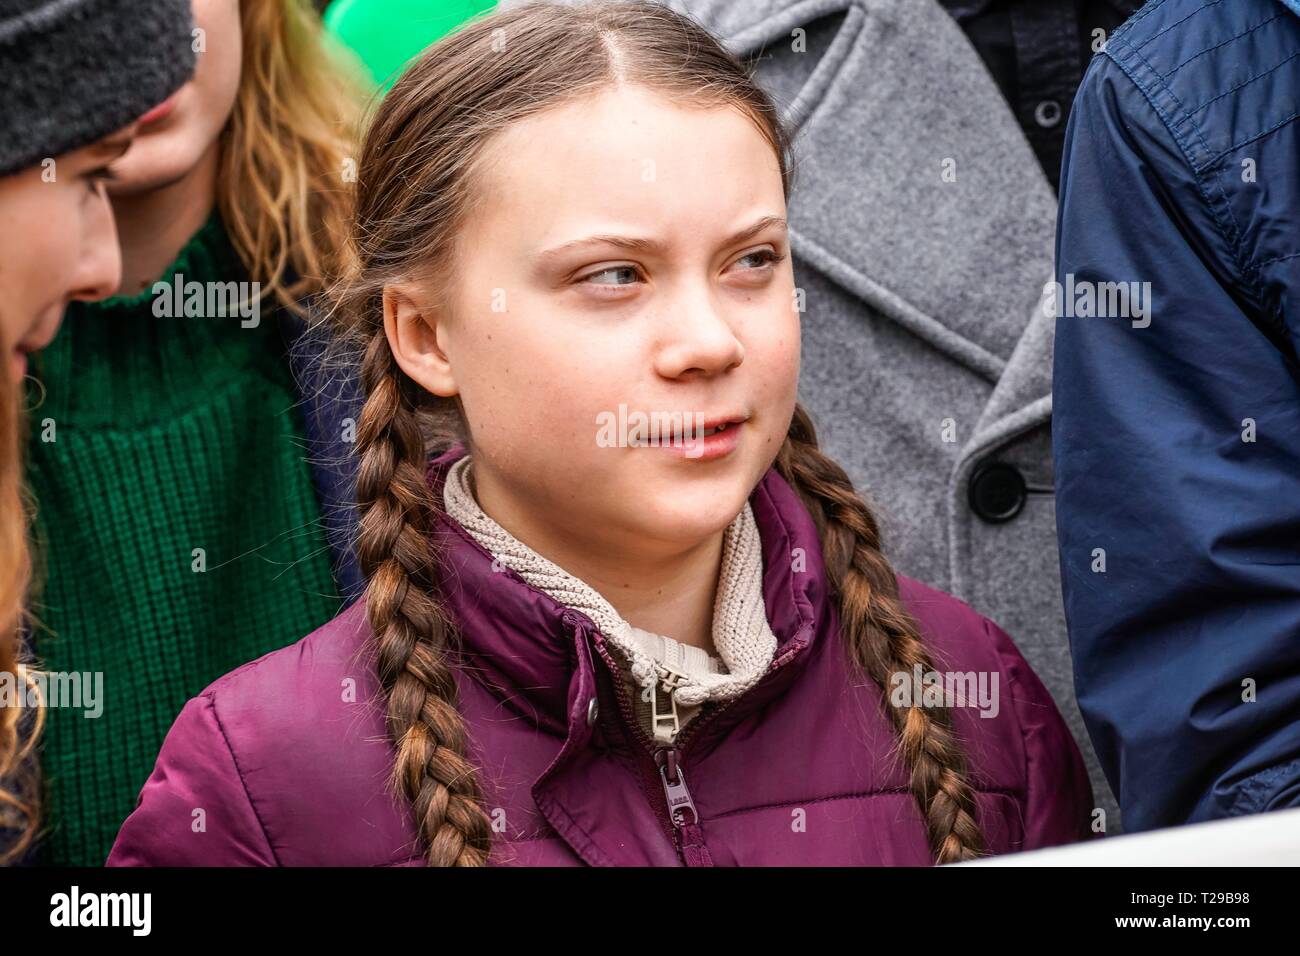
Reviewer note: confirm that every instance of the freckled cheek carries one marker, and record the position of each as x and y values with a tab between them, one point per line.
774	355
524	414
775	378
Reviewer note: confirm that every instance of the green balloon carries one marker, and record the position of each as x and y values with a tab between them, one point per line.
388	34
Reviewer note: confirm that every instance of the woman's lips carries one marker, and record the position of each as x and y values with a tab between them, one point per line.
37	339
161	111
17	366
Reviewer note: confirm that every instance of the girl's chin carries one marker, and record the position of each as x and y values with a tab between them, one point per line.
688	514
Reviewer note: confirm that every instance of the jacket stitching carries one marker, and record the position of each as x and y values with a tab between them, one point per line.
584	844
1011	792
1250	792
1175	24
1144	12
212	705
1223	43
1268	262
1260	135
1228	235
1257	76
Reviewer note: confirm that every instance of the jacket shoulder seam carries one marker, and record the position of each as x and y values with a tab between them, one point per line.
1227	231
239	772
1151	8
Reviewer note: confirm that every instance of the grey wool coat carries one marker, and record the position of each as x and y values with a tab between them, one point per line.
922	230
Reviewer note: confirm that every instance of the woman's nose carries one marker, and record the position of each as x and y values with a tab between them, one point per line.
99	271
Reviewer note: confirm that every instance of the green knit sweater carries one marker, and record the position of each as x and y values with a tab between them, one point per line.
158	437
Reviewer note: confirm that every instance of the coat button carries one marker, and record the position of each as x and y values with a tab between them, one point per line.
593	709
1047	113
996	492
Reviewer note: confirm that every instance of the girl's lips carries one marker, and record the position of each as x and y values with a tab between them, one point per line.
707	448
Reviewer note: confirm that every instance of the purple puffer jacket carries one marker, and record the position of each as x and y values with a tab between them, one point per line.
284	761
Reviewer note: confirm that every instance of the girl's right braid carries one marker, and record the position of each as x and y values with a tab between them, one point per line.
883	638
397	555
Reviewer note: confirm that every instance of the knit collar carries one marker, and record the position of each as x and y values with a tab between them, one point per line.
741	633
518	641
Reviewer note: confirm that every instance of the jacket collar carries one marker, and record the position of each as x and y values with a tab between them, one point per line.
530	651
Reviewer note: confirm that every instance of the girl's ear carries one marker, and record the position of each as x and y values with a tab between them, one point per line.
416	333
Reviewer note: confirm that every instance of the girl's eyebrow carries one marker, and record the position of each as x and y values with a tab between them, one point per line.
634	244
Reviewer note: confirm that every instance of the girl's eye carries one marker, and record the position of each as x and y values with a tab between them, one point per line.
629	275
763	257
629	272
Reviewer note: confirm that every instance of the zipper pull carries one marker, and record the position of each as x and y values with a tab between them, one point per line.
664	720
681	808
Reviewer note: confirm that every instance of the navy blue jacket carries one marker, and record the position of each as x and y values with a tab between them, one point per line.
1176	421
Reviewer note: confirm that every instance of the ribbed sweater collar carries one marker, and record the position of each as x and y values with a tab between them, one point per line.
745	642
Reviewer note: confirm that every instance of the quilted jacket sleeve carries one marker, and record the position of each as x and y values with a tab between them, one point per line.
194	809
1058	804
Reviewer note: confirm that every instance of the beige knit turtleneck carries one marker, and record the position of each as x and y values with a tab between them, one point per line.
674	679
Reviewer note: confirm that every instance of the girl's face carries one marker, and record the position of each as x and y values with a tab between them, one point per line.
628	252
176	133
59	244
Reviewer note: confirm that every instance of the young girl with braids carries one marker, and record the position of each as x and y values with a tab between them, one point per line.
577	650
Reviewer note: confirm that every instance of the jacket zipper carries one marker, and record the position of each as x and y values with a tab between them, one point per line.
681	809
650	772
686	833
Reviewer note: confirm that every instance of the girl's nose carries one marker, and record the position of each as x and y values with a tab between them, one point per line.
698	339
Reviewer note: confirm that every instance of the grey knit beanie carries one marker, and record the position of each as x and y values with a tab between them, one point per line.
73	71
